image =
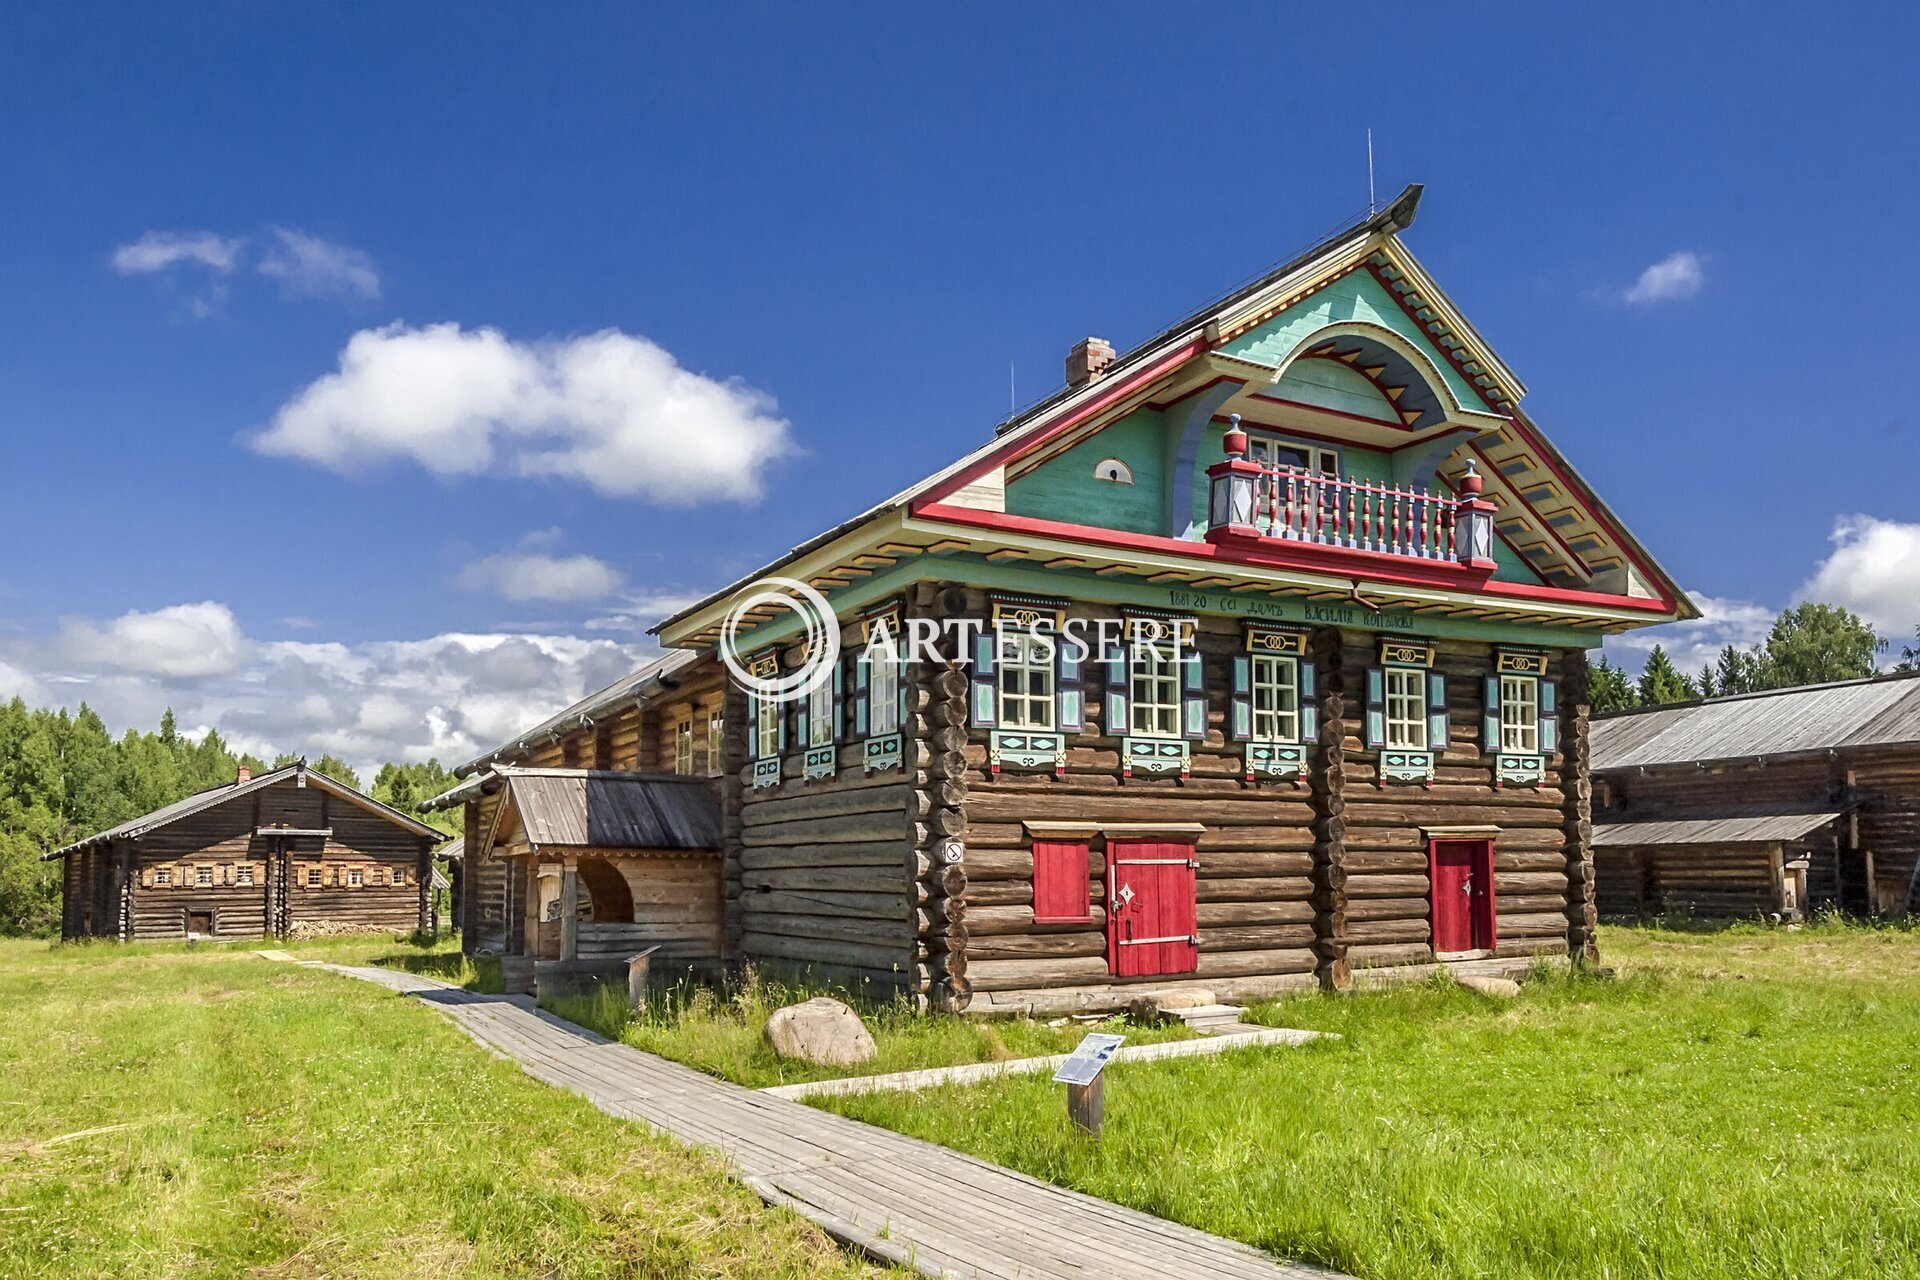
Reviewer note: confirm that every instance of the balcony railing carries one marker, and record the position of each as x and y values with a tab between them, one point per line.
1358	514
1256	503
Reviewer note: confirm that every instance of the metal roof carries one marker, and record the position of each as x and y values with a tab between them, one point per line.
1853	713
605	810
202	800
638	686
453	850
1728	828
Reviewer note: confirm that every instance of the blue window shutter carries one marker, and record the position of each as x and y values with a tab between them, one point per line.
1309	723
1116	664
1070	696
862	691
840	701
1549	698
753	725
797	712
986	695
1376	707
1305	667
1436	711
1549	718
902	670
1490	716
1240	722
1193	687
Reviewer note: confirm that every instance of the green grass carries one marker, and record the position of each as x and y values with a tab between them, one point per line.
1738	1103
171	1113
720	1031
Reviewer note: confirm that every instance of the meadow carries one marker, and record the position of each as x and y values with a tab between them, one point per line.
1734	1103
166	1112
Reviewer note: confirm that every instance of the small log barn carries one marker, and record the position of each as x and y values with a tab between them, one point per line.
1767	804
288	854
1358	753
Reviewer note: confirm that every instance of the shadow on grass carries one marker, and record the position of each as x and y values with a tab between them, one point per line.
1824	923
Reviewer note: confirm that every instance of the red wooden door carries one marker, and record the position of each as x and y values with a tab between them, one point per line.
1462	887
1151	917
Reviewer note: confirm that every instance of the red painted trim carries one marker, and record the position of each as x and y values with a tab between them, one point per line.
1446	357
1334	560
1539	445
1122	388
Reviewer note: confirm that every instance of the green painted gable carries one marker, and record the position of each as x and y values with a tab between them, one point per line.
1064	487
1355	298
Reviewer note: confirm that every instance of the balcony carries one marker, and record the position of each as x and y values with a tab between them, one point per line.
1258	505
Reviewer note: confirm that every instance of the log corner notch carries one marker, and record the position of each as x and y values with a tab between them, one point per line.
1577	784
937	858
1329	783
733	762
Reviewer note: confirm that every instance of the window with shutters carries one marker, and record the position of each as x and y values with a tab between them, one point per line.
313	877
1154	687
883	696
1026	680
766	729
163	876
1520	714
716	741
1406	705
243	875
399	875
1275	693
202	875
354	878
683	747
820	715
1061	888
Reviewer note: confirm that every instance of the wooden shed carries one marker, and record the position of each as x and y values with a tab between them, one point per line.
599	865
1768	804
290	853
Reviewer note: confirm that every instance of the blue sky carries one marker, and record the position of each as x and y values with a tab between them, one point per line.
810	240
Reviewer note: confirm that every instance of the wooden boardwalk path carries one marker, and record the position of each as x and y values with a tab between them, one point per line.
897	1199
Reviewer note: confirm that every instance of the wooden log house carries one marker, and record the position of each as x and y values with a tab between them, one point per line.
1356	751
288	854
1776	804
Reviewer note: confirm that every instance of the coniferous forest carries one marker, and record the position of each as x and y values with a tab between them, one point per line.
64	776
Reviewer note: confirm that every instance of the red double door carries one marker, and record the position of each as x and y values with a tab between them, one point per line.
1463	904
1151	908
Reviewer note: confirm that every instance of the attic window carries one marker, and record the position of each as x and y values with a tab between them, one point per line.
1113	471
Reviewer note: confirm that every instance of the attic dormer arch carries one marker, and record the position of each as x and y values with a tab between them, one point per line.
1428	420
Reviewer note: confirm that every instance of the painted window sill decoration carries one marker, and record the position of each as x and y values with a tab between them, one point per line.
1511	770
820	763
766	773
1026	749
885	752
1155	757
1406	766
1276	761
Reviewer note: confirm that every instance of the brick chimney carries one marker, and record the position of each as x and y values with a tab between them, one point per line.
1088	360
243	777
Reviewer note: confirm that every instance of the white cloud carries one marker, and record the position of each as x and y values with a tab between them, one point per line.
452	695
532	574
1874	570
307	266
181	641
159	250
1695	643
609	410
1678	275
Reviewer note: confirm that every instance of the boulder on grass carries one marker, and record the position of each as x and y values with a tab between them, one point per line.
821	1031
1501	988
1159	1006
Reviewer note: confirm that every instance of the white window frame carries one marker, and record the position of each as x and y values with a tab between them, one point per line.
243	875
820	716
202	876
396	875
316	878
766	729
1321	461
883	697
1520	714
683	747
716	741
1274	680
1405	707
163	877
1024	678
354	878
1154	688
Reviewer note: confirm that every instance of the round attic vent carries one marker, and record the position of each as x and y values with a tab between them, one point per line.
1113	471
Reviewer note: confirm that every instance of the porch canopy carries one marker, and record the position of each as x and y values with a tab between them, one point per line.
1730	826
